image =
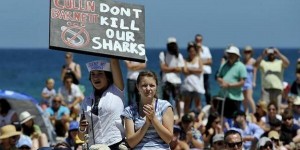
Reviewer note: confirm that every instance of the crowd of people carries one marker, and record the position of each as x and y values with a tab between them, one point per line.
230	120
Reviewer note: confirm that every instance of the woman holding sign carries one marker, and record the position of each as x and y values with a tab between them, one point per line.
102	109
149	123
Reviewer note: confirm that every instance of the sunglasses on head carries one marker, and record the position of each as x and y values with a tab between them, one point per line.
232	145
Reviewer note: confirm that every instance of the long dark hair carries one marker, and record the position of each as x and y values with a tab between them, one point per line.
173	49
28	130
110	81
211	118
5	106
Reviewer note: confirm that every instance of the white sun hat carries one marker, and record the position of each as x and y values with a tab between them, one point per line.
98	65
171	40
25	116
233	50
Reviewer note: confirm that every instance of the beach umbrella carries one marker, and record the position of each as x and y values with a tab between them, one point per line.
22	102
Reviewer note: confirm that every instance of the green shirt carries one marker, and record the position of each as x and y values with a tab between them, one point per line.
233	74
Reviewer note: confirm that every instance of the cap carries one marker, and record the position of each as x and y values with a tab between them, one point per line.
233	50
98	65
248	48
24	141
262	142
218	137
273	134
74	125
25	116
270	51
187	118
171	40
297	100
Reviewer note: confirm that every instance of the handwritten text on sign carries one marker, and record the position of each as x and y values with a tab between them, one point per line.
98	26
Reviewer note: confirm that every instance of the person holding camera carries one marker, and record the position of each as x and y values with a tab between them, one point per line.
272	69
71	68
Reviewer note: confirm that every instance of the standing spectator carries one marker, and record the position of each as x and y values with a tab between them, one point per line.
149	124
192	85
231	78
250	81
48	93
233	140
134	68
103	108
189	134
272	74
72	96
295	88
249	131
171	64
71	68
59	116
32	130
218	142
7	114
9	137
206	58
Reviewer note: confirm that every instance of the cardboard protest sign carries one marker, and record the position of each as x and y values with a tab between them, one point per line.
98	27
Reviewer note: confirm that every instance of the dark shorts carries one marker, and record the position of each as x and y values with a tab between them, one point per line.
169	90
230	107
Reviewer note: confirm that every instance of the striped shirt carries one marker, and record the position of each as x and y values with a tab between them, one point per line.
151	140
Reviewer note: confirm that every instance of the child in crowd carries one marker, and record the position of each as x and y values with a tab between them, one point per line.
48	93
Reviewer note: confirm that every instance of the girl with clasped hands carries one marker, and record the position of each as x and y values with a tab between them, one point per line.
149	123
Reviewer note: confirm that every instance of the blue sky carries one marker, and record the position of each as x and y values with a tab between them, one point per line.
260	23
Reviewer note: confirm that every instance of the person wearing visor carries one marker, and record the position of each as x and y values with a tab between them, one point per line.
272	69
101	111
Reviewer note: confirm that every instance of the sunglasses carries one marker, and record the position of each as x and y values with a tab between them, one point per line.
275	140
219	143
56	101
232	145
24	147
288	118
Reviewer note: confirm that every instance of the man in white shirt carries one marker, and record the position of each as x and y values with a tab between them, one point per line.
206	58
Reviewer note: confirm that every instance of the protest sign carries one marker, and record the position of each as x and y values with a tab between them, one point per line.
98	27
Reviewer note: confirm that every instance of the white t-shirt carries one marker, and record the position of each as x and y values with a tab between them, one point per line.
133	75
171	61
107	125
50	93
69	98
204	55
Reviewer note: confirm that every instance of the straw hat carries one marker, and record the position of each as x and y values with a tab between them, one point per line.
263	105
25	116
8	131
